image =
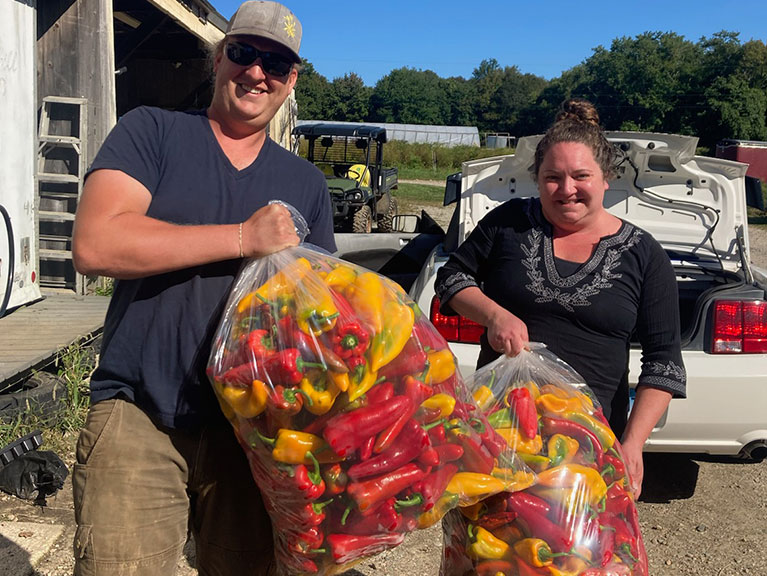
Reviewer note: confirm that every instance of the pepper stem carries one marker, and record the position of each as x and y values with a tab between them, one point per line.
347	511
414	500
264	439
315	476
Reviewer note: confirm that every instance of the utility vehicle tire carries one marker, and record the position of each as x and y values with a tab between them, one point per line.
385	224
362	222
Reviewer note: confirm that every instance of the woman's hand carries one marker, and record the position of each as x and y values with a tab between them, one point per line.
632	456
649	406
506	333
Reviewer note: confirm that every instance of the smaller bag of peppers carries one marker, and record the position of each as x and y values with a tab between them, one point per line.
579	518
347	402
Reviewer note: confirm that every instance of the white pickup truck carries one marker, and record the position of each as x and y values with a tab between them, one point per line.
695	206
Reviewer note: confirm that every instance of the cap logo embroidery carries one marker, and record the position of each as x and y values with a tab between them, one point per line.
290	25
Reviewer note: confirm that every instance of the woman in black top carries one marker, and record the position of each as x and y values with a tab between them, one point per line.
564	271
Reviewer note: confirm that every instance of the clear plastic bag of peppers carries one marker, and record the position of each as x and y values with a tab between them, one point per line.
579	518
347	402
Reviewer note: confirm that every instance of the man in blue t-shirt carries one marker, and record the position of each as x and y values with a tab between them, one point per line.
171	205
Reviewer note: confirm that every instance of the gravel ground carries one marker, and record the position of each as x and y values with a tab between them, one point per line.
700	515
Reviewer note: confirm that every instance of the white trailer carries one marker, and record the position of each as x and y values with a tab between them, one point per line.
19	273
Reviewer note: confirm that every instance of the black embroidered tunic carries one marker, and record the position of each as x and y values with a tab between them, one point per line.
585	313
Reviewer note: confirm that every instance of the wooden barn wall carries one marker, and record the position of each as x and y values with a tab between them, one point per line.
75	58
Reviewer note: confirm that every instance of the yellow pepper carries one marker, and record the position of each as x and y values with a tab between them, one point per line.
600	429
366	295
473	486
282	282
586	403
340	277
245	402
484	397
445	503
561	449
535	552
340	380
316	311
398	321
441	366
572	485
514	481
322	392
442	402
518	442
485	546
548	403
361	380
291	446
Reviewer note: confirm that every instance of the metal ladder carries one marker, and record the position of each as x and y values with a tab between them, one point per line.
61	164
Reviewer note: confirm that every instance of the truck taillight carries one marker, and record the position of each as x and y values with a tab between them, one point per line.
740	326
455	328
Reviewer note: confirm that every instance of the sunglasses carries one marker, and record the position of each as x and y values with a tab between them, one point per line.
272	63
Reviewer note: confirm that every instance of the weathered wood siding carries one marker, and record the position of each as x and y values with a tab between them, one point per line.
75	57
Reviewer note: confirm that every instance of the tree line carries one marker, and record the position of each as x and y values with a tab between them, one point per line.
657	81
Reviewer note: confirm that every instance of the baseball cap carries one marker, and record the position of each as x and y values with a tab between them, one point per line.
269	20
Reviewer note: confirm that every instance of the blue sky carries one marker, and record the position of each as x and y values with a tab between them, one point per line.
451	38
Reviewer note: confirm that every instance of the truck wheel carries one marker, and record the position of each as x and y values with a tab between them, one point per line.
385	224
362	222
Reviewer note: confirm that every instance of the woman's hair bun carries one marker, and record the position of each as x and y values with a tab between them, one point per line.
577	110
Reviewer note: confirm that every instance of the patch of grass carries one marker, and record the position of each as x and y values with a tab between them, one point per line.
74	366
420	193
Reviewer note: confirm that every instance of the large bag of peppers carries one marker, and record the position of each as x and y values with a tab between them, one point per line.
579	518
347	402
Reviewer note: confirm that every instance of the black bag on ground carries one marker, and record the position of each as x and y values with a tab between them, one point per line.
40	471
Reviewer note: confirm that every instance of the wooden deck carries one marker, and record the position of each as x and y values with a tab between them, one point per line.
31	335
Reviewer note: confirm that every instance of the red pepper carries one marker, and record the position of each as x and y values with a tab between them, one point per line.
368	493
428	336
432	487
529	508
310	348
335	479
242	375
311	514
613	470
310	484
493	441
417	391
625	541
585	437
496	520
350	339
412	442
260	345
438	435
287	366
476	456
348	547
448	452
384	518
606	546
305	541
285	401
495	567
347	431
429	457
412	360
380	392
524	569
366	450
618	500
298	564
522	405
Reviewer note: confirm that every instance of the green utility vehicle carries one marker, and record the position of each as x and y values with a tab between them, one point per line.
351	157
